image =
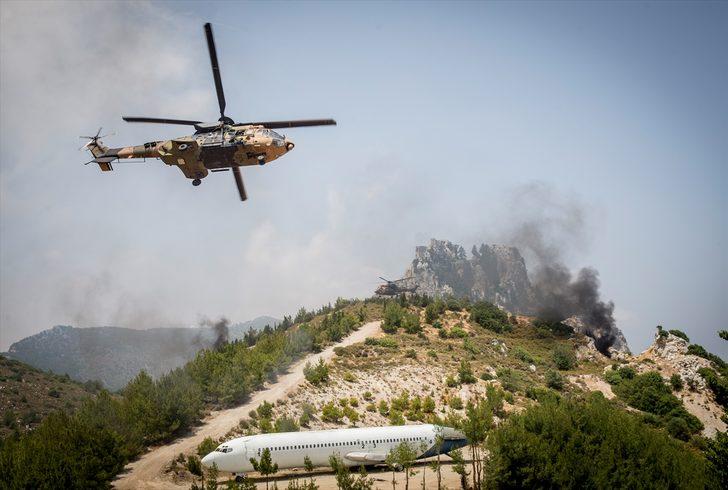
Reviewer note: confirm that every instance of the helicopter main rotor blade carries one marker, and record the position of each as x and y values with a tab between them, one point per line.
383	279
215	69
239	183
292	124
159	120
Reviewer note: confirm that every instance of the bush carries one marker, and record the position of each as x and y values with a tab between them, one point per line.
286	424
207	446
718	385
587	444
676	382
508	379
411	354
523	355
396	418
549	328
393	315
465	373
368	396
489	316
554	380
317	374
411	323
716	453
649	393
612	376
331	413
383	408
456	403
564	357
699	350
457	332
349	377
434	310
681	334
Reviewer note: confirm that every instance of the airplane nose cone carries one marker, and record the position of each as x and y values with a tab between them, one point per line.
208	460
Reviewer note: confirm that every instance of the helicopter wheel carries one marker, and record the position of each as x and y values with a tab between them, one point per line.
196	182
261	160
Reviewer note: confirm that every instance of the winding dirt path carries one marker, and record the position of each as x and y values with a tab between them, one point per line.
147	471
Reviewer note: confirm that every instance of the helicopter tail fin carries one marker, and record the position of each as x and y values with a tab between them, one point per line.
98	149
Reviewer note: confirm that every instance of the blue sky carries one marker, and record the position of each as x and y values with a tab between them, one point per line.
445	111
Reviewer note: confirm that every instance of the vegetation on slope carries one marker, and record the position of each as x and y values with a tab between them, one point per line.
28	395
88	448
587	443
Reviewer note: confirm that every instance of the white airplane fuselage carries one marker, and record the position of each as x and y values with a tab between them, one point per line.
359	446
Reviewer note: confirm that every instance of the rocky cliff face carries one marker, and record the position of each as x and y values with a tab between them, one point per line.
115	355
493	273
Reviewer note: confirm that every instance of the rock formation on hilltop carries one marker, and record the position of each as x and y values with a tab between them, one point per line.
493	273
498	274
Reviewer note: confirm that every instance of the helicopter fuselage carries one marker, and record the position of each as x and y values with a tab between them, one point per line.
215	150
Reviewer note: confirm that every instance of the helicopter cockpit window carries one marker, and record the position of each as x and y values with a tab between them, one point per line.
275	135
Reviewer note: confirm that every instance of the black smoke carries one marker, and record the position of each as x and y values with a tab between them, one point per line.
549	225
220	331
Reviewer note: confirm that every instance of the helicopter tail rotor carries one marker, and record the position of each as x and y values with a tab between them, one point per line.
98	149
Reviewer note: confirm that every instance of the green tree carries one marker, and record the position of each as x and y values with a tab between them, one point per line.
265	466
211	480
716	453
489	316
393	316
564	357
554	380
459	466
402	456
465	373
587	443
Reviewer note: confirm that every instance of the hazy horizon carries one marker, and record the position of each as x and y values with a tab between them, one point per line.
447	114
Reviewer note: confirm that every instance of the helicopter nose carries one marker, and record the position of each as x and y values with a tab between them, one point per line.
289	145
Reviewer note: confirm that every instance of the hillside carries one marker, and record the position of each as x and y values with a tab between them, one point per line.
114	355
27	395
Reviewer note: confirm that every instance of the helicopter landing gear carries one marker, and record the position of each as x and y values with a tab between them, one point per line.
196	182
261	160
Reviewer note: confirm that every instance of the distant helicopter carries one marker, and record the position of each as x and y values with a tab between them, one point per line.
391	288
214	147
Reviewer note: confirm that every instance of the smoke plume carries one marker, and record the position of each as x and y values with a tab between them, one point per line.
220	330
550	225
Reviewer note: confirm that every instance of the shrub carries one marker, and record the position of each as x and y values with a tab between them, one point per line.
207	446
627	372
393	315
351	414
451	382
265	410
383	408
681	334
458	332
411	323
368	396
331	413
371	407
411	354
465	373
489	316
648	392
612	377
523	355
563	357
388	342
508	379
554	380
317	374
718	385
396	418
548	328
349	377
456	403
587	444
699	350
434	310
676	382
194	466
307	414
428	405
286	424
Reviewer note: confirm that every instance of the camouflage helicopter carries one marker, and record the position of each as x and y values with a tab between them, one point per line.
214	147
391	288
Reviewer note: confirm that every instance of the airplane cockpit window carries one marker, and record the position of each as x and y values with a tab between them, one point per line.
224	449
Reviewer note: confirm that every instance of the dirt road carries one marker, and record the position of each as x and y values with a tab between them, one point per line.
147	471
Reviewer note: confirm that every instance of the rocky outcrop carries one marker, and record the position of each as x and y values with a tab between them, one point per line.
618	349
493	273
